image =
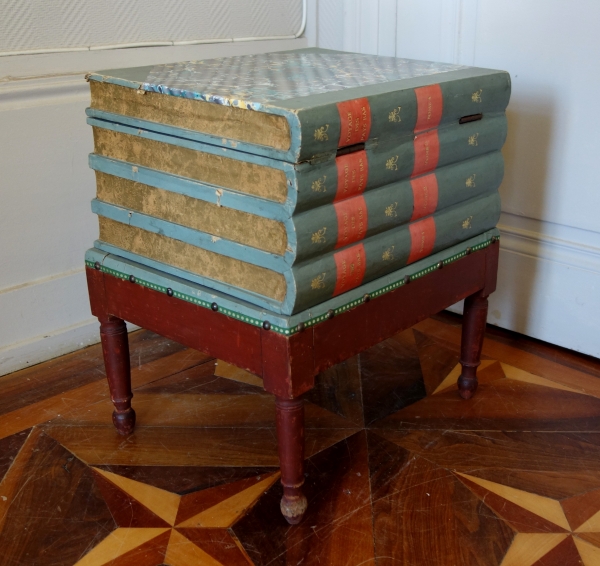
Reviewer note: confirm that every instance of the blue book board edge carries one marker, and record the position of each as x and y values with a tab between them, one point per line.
289	155
246	312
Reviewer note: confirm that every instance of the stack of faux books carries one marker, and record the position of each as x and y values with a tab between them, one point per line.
286	179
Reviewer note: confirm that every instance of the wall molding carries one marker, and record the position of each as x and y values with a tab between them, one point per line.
540	245
39	91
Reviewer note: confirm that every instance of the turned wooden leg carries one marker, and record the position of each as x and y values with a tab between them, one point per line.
115	349
473	329
290	440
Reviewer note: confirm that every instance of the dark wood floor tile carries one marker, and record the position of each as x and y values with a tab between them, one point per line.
338	390
13	478
219	544
184	446
391	377
436	359
186	479
555	485
386	461
65	373
337	528
424	515
521	519
564	554
505	404
563	453
125	510
202	410
77	402
490	373
9	448
56	512
201	380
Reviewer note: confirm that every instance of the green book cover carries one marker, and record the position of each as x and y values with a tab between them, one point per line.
297	187
296	105
309	234
314	281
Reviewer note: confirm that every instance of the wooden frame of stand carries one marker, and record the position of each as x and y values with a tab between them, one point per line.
289	364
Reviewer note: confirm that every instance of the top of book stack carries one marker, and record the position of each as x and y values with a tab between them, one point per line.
297	105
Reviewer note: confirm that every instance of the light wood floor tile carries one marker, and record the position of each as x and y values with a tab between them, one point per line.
224	514
589	553
183	552
528	548
223	369
118	543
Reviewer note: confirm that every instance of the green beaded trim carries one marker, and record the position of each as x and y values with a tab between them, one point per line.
310	322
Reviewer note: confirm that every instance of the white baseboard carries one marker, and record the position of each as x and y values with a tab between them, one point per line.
548	283
45	319
47	346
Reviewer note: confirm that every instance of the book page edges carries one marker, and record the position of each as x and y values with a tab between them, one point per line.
194	259
261	128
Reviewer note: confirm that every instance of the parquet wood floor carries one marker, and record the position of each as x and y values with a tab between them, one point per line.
400	470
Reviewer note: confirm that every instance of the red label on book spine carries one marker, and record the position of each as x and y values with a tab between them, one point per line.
350	264
422	239
355	121
427	152
353	171
430	105
352	220
425	196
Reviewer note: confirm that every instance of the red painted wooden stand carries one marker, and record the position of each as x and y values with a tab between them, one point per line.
289	364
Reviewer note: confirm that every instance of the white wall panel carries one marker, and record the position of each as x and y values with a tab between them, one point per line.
330	24
418	29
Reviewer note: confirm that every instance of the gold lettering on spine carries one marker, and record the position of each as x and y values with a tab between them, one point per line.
467	223
390	210
363	134
473	139
476	96
319	236
392	163
361	169
318	186
425	197
426	153
349	134
388	255
318	282
344	274
470	182
394	115
422	242
321	133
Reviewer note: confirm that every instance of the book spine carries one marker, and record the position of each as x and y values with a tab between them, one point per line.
354	173
342	223
326	128
345	269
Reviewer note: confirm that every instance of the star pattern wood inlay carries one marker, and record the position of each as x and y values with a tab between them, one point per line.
152	521
399	469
